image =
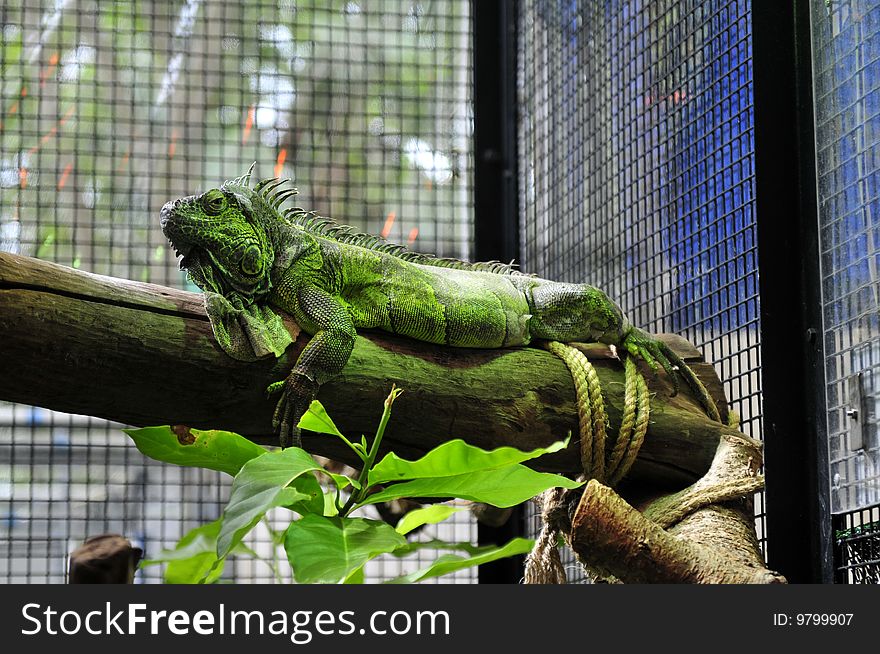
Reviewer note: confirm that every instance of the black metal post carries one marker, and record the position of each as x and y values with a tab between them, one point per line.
793	380
496	210
496	227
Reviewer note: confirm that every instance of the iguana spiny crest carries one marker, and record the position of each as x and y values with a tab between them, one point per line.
239	227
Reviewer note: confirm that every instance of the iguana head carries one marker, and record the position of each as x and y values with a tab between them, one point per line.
222	238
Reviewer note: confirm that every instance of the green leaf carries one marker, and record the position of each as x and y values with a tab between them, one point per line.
437	544
500	487
428	515
330	507
315	500
263	484
356	576
343	481
248	511
214	449
453	458
193	560
448	563
327	549
317	420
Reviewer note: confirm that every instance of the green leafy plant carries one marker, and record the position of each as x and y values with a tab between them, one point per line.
323	541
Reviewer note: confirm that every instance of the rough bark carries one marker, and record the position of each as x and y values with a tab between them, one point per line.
143	354
704	533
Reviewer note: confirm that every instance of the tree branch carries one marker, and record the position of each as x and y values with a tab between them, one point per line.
143	354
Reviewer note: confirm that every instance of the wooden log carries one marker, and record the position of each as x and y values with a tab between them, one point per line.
143	354
702	534
614	539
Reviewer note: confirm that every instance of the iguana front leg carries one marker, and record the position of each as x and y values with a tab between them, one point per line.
323	315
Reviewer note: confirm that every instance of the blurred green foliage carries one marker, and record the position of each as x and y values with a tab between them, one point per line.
109	109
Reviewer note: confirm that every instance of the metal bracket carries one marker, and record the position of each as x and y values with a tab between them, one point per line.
856	411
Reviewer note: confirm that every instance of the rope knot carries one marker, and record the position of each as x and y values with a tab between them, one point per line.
543	565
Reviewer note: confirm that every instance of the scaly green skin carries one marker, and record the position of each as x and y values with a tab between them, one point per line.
249	257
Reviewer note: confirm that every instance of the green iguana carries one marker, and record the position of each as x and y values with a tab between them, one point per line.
251	257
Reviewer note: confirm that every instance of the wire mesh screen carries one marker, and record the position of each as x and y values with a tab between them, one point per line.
857	547
846	73
636	159
109	109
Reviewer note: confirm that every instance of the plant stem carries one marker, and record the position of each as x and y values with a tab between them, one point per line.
359	494
353	448
273	564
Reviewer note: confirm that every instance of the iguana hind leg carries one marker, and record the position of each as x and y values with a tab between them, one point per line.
580	312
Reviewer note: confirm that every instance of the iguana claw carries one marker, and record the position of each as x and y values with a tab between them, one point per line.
642	345
297	393
274	387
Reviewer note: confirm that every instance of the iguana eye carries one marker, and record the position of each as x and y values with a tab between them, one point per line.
252	261
214	201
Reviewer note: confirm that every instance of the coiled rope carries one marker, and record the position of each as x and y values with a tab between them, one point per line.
543	565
